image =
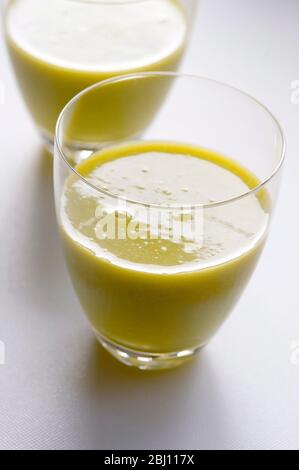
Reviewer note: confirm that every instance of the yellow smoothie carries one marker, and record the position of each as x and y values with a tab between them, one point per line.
60	47
153	292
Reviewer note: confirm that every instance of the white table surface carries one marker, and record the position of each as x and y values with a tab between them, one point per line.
58	389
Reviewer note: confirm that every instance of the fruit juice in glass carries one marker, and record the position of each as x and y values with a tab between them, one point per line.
162	234
60	47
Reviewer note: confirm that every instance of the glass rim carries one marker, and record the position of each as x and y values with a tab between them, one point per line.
264	182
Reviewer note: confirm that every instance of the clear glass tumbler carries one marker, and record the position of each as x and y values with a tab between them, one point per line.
163	214
60	47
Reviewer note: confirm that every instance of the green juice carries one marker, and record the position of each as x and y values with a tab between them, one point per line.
60	47
158	294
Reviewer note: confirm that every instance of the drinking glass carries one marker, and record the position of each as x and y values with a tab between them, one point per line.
163	215
60	47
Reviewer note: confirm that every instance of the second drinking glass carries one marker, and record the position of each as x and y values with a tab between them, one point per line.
60	47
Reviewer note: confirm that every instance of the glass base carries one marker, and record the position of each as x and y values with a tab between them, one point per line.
48	140
146	361
77	151
75	154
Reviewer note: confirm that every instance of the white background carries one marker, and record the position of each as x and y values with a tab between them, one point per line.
58	389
